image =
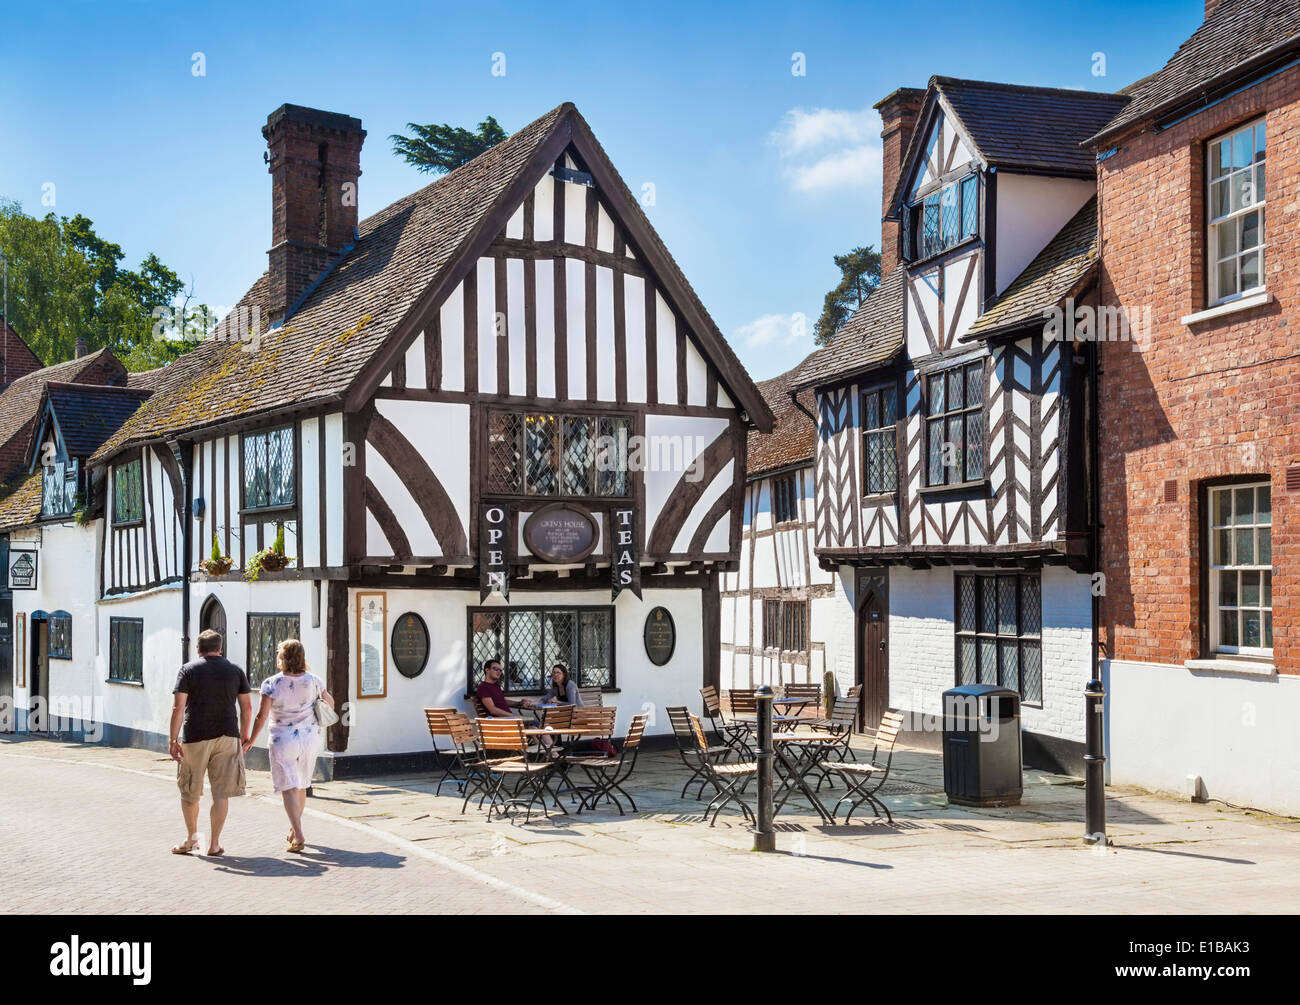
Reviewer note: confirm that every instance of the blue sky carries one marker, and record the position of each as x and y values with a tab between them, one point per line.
760	176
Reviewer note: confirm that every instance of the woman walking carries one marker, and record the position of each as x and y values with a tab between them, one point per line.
289	698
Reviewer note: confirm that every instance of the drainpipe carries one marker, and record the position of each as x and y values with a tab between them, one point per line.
184	451
1094	759
794	396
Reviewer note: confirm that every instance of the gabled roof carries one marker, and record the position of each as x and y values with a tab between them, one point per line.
1238	39
20	500
351	325
871	337
1015	127
21	400
794	434
87	414
1055	273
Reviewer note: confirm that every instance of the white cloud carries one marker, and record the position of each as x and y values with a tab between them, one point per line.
829	149
775	329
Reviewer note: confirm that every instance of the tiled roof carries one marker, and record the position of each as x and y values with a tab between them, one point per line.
1237	33
146	379
20	500
22	399
1053	275
88	414
1030	127
794	434
322	348
872	336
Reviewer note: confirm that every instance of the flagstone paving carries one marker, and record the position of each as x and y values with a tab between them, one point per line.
87	828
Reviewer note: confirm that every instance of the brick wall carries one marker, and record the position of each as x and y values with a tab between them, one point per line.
1212	399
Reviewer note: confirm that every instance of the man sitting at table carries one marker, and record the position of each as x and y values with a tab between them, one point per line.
494	699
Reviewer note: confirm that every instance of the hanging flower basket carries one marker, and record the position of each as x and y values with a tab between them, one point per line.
273	561
216	566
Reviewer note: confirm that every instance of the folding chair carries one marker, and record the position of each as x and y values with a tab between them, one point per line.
470	759
508	735
437	720
865	780
680	717
733	734
607	774
730	779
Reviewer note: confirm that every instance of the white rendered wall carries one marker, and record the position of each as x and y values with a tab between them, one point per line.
1237	732
1030	211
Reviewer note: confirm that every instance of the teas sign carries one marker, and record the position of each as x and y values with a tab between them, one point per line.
660	636
22	569
561	534
625	569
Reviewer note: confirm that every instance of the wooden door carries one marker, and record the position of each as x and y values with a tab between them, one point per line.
40	677
873	659
7	661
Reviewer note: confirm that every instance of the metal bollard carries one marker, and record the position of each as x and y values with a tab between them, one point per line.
1094	761
764	833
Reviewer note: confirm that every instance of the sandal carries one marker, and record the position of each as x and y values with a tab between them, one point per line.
297	846
216	854
186	848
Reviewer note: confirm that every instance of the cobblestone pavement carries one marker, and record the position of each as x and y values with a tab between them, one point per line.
87	829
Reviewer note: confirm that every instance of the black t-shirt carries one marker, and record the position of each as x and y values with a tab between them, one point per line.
213	684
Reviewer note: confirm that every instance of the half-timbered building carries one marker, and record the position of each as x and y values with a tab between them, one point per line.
779	606
952	443
493	420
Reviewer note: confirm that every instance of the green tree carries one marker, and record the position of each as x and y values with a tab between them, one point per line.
859	276
66	283
436	149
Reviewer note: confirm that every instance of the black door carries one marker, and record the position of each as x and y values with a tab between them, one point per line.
7	661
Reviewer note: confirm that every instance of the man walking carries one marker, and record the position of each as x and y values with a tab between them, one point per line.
205	738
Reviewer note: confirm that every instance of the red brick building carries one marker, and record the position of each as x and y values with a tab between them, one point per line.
1198	181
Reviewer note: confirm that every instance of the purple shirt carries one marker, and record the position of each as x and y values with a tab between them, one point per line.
485	691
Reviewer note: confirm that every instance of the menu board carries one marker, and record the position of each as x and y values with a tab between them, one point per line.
410	644
372	648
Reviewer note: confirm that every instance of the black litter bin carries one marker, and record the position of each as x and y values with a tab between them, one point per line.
981	745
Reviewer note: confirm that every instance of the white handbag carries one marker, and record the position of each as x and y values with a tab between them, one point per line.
325	716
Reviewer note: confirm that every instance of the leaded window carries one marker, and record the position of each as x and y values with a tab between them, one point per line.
126	650
530	640
1241	569
955	425
785	498
942	219
59	488
794	625
59	643
265	633
1236	212
999	627
547	454
771	624
880	440
128	492
268	469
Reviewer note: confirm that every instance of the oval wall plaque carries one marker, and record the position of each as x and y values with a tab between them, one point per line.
660	636
410	644
561	534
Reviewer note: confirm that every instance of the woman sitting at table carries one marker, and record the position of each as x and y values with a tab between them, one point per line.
563	689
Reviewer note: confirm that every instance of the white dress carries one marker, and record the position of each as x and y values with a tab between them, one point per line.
295	734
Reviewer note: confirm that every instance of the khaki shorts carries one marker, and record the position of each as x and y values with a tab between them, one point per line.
220	759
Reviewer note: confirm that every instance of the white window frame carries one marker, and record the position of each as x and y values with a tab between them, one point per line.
1217	569
1253	177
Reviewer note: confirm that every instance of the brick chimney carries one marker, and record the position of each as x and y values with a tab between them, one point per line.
314	158
898	114
82	348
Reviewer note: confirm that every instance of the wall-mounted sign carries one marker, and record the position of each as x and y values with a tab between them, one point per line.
372	645
660	636
625	568
561	534
493	559
22	568
410	644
